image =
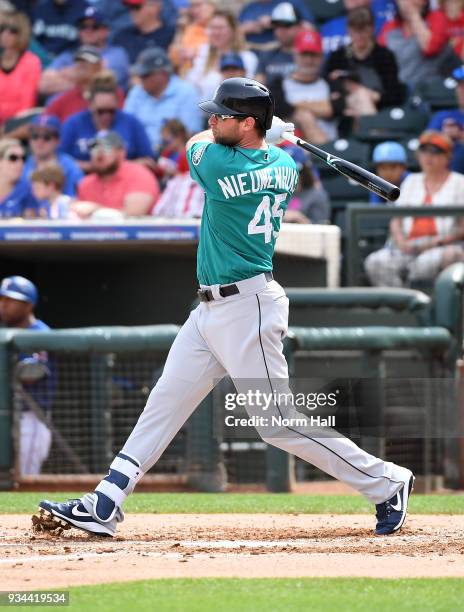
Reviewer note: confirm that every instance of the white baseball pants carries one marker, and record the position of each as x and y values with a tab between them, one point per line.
242	335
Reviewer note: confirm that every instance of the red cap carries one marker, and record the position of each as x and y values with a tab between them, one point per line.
308	41
133	2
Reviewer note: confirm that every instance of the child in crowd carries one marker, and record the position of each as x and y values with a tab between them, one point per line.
47	186
390	162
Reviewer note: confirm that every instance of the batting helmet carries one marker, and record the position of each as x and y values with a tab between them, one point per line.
19	288
242	97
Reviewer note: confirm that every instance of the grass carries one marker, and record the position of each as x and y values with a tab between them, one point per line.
213	503
279	594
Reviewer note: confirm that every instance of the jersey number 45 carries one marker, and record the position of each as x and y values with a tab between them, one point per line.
264	208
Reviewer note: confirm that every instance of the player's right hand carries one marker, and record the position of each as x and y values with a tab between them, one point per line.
274	134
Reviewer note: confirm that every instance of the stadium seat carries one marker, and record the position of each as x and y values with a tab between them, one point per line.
350	149
341	189
323	10
392	124
438	92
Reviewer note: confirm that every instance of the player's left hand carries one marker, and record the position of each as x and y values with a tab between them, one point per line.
278	127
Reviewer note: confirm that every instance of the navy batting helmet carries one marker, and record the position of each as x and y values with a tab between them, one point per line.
242	97
19	288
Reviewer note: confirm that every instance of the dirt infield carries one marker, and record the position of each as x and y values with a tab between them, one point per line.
252	546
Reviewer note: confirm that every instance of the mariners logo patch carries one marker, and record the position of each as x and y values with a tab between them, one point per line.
198	154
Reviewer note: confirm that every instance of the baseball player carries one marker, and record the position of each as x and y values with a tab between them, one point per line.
18	297
239	325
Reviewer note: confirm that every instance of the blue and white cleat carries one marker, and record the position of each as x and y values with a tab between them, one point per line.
391	514
55	516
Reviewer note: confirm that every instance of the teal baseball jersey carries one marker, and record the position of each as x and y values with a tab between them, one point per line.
246	194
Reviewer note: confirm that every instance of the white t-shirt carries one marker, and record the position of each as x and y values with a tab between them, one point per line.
318	91
413	194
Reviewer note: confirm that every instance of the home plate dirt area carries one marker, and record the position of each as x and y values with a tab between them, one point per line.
241	545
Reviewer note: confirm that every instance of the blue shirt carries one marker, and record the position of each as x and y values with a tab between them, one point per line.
55	24
335	31
178	101
253	10
134	41
79	130
114	58
18	200
72	173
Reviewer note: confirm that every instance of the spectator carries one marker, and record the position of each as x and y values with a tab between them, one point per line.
172	158
224	36
116	184
35	386
47	186
191	35
310	202
303	96
256	22
16	199
363	73
454	129
94	32
148	29
54	24
161	96
334	32
390	162
19	68
87	74
44	139
420	247
231	65
286	24
80	130
418	38
436	122
453	11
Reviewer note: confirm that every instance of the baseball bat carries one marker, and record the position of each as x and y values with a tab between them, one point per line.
351	171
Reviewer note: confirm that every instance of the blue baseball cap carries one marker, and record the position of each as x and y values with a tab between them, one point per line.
389	152
49	122
19	288
94	14
231	60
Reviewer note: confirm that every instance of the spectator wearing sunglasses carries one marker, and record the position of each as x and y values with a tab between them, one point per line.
147	30
16	199
19	68
103	114
94	32
44	140
88	71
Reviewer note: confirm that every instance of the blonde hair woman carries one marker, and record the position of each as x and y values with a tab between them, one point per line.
224	36
19	68
16	199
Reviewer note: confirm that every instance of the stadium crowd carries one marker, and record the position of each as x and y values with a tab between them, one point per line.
100	96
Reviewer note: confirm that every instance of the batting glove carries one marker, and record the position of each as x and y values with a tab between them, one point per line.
278	127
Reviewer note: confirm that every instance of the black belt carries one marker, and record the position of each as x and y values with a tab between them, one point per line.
206	295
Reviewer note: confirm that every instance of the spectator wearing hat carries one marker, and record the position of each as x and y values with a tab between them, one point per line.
436	122
335	33
191	34
88	74
16	199
310	203
418	37
256	22
231	65
54	24
44	140
419	247
224	36
390	163
19	68
161	96
147	29
286	23
303	96
94	32
363	73
124	187
35	377
103	114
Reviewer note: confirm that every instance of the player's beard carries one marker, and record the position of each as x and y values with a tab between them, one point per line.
228	141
